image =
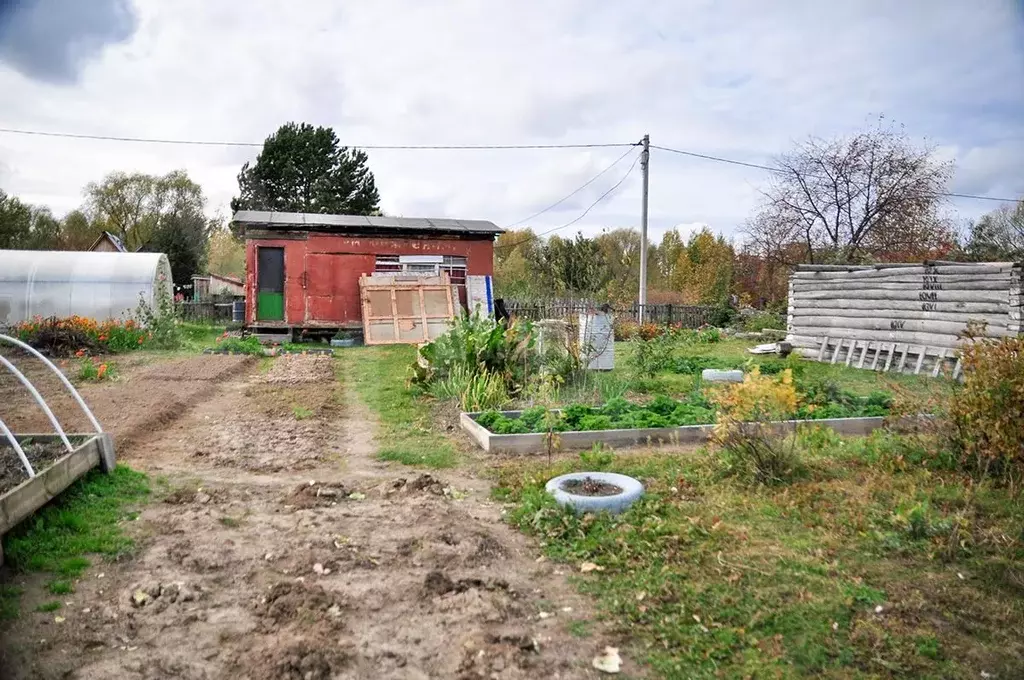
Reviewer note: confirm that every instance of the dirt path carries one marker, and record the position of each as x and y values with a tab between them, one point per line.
284	549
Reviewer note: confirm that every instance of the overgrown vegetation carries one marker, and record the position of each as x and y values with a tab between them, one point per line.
248	345
475	354
379	375
847	571
987	413
751	445
85	520
62	337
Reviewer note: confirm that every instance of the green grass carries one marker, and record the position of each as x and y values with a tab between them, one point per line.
60	587
230	522
10	599
860	382
710	577
198	336
51	606
301	412
84	520
379	376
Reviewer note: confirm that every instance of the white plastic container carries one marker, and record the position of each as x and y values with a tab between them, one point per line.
598	341
716	375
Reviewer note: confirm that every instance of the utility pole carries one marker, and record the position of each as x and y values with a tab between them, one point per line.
645	166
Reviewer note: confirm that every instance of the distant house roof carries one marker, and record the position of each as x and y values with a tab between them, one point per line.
230	279
114	241
361	223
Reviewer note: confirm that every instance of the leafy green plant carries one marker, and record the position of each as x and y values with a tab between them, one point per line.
160	320
615	414
301	412
483	391
92	370
476	344
248	345
755	323
647	358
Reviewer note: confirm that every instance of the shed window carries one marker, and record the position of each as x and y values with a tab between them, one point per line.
452	265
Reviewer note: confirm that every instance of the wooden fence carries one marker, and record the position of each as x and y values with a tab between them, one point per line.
206	311
686	316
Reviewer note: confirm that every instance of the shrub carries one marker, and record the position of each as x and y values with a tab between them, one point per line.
161	320
625	330
751	446
758	321
649	331
66	336
647	358
477	344
986	413
249	345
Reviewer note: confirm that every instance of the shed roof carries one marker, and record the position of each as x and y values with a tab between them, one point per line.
346	223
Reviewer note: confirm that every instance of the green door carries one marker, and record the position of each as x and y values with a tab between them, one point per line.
269	284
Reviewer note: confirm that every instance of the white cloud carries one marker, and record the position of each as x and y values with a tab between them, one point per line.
741	80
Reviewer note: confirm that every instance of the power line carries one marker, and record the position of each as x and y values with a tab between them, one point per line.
574	192
730	161
412	147
581	215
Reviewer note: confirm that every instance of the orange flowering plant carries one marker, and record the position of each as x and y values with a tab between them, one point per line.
79	335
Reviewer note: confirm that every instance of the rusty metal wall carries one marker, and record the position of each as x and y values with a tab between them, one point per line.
322	270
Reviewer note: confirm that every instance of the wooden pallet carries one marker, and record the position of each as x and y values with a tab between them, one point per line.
898	357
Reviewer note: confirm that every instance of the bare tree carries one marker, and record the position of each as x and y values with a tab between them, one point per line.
852	199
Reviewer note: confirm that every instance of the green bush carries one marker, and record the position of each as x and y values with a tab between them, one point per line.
647	358
249	345
755	323
478	344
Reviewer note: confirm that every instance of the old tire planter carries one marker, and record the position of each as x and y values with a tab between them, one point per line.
632	489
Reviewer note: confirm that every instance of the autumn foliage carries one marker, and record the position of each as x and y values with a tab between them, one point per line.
987	412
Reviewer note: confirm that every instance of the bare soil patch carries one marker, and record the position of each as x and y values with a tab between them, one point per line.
590	487
41	455
283	549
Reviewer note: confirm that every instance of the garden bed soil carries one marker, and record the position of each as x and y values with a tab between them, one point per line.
249	570
41	455
590	487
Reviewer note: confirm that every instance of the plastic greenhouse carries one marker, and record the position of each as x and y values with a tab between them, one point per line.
96	285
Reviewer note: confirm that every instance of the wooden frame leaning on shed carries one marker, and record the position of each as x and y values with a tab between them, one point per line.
900	317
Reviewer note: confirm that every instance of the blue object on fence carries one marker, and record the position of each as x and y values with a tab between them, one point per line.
238	311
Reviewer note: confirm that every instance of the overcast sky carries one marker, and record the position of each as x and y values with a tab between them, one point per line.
741	79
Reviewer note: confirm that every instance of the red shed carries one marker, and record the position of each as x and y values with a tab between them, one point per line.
303	269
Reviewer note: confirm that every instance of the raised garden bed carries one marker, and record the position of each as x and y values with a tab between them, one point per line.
55	469
534	442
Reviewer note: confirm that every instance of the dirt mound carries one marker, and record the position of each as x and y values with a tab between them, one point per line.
303	661
507	655
316	494
424	483
294	601
437	583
